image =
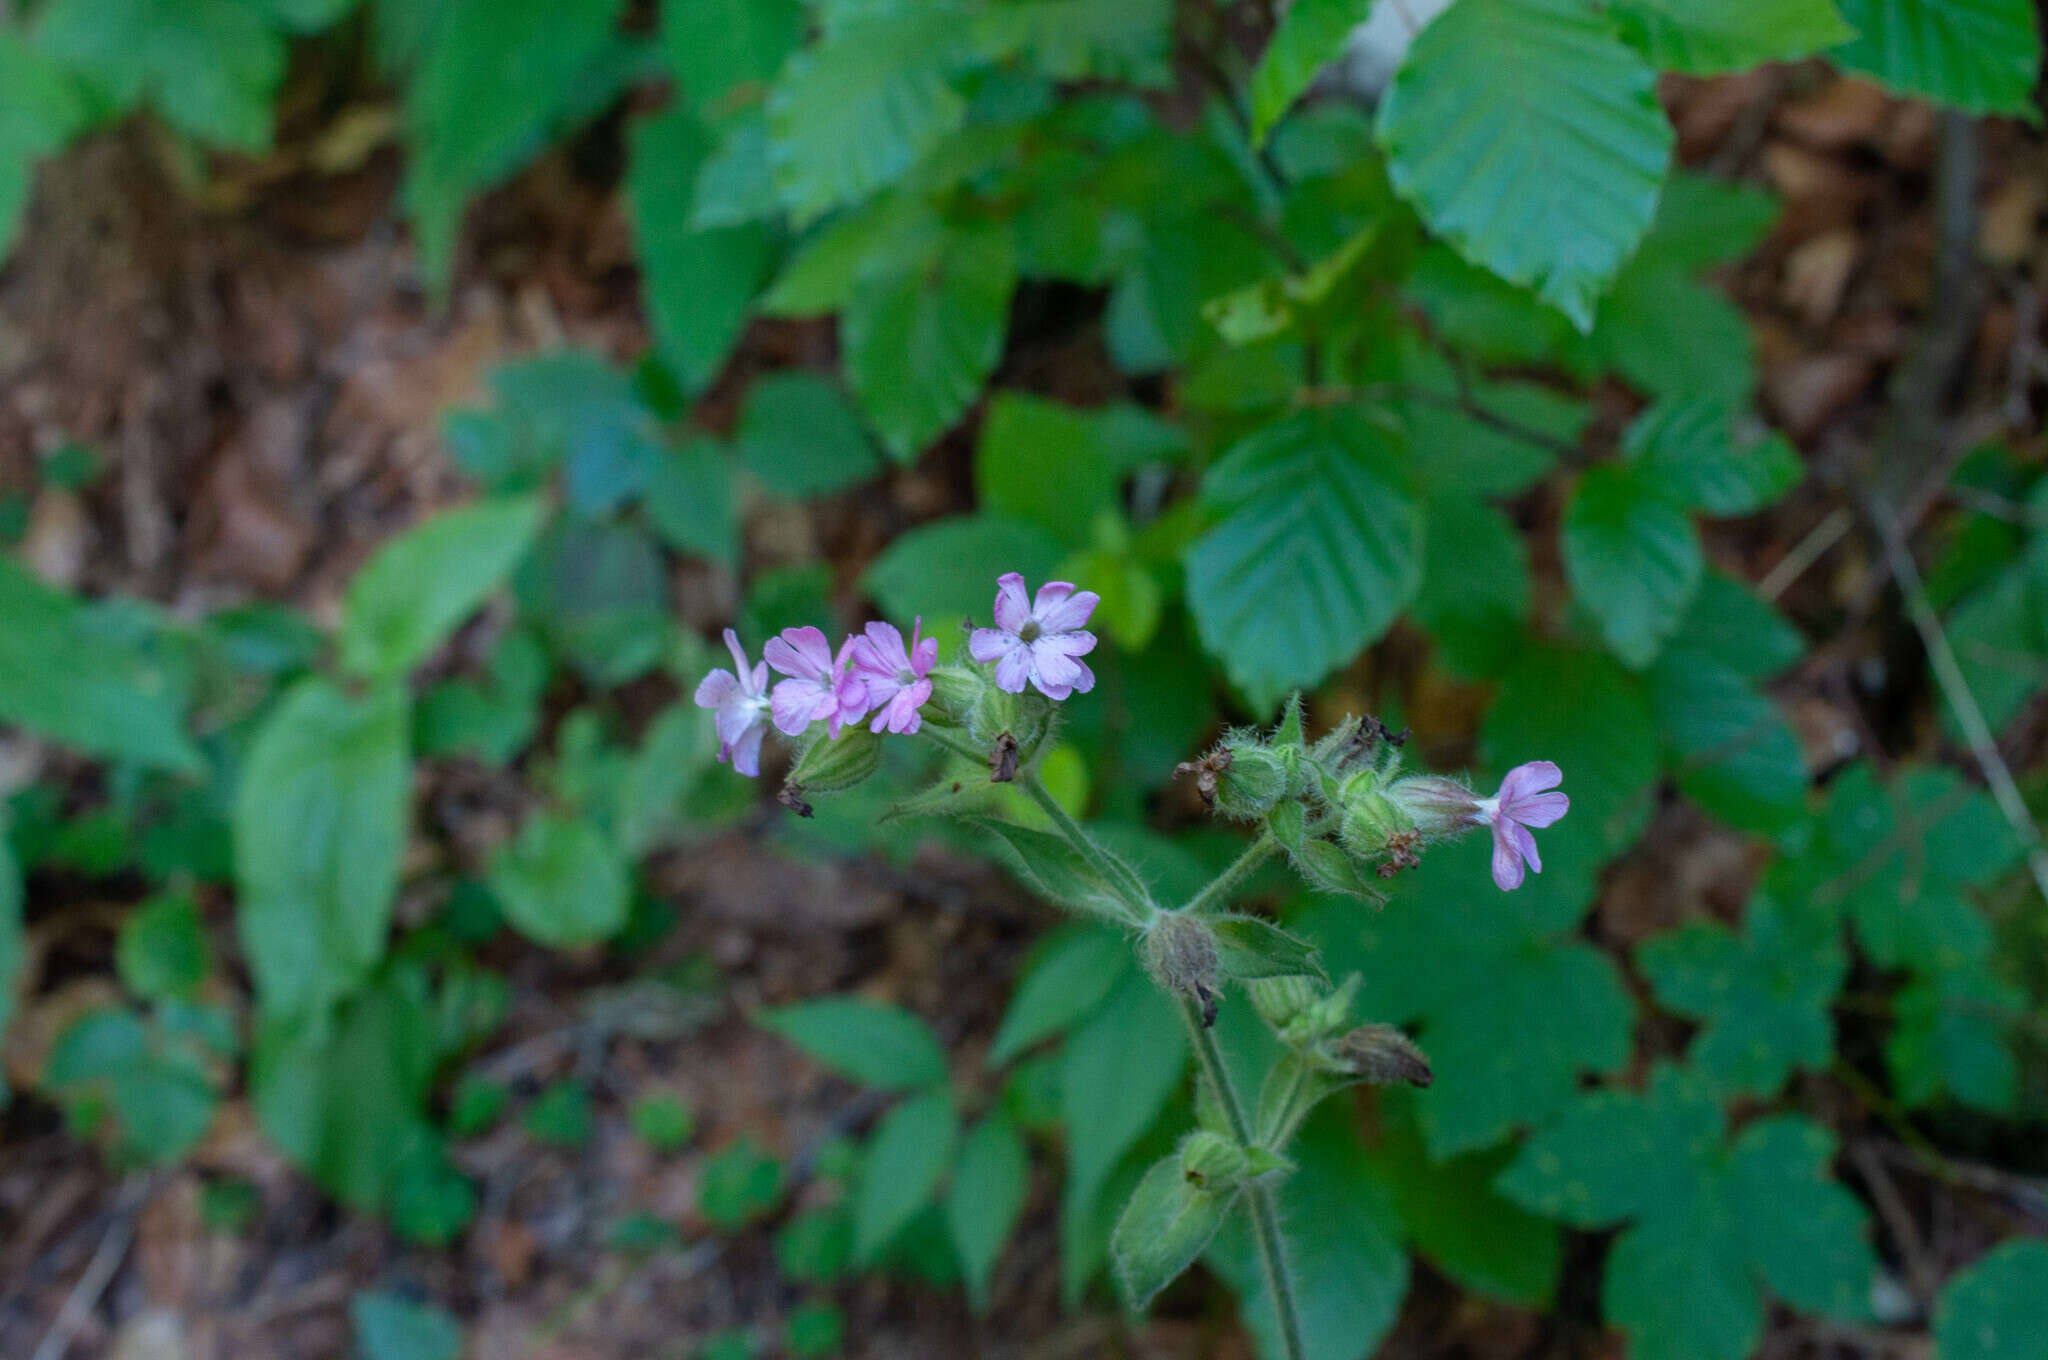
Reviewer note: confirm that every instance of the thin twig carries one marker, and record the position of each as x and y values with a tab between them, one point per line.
1920	1272
1806	552
1948	674
98	1273
1996	506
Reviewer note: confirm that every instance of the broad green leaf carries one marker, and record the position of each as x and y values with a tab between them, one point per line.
10	935
1475	586
598	592
800	439
873	1044
853	112
1711	1222
154	1086
1633	560
1460	454
345	1099
1953	1034
1729	626
1165	1225
570	409
1530	138
560	1115
724	52
1126	41
733	186
911	1148
1703	221
319	829
689	501
922	332
1762	997
1735	754
1318	550
1310	35
1978	55
1072	970
1998	1308
1051	866
819	277
1062	467
1450	1211
1350	1271
392	1327
738	1184
72	673
43	109
1692	452
212	67
947	570
1713	37
161	951
561	881
699	282
419	586
982	1208
492	82
1250	947
1671	335
1115	1076
2000	635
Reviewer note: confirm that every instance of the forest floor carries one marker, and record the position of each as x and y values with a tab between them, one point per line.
254	360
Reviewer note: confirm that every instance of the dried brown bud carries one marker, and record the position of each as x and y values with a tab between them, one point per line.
1403	852
1382	1055
1002	759
791	796
1205	772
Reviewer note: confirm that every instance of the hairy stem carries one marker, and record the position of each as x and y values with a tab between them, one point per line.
1259	1196
1225	883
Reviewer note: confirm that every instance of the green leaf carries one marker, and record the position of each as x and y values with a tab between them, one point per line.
1998	1308
1714	37
854	112
1633	559
724	52
662	1121
1978	55
1310	35
599	593
1069	974
814	1330
1318	550
560	1116
1453	1215
2000	635
561	882
1250	947
738	1184
1762	997
43	110
911	1149
344	1097
390	1327
1475	586
700	282
798	436
491	85
1052	867
1528	137
1690	451
1729	626
319	827
923	331
689	501
947	570
1350	1271
1017	474
118	698
1167	1223
211	66
161	952
1736	756
876	1045
1712	1222
417	587
155	1087
1952	1034
987	1198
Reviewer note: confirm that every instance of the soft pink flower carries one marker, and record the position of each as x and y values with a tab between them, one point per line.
895	675
741	698
1038	640
820	684
1519	805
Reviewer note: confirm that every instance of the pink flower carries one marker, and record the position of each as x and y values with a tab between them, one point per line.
1038	640
820	685
741	698
895	676
1519	805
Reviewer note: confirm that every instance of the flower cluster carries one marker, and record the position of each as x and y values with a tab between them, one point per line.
876	673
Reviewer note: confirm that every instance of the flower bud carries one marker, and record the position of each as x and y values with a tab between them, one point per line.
1027	717
1435	805
1256	778
955	692
1212	1161
1370	818
831	764
1279	1001
1382	1055
1180	954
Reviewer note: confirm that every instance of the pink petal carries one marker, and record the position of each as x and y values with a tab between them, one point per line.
739	654
1526	843
1053	669
1528	778
884	645
1507	861
800	652
1067	611
757	688
1068	644
732	722
746	752
799	702
1540	809
714	688
990	644
1013	669
922	654
1013	608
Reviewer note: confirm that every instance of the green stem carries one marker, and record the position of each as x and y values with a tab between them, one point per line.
1258	1197
1118	878
953	743
1225	883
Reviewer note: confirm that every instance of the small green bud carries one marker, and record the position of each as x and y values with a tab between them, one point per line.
1180	954
1370	819
1279	1001
1382	1055
1256	779
829	765
955	692
1027	717
1212	1161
